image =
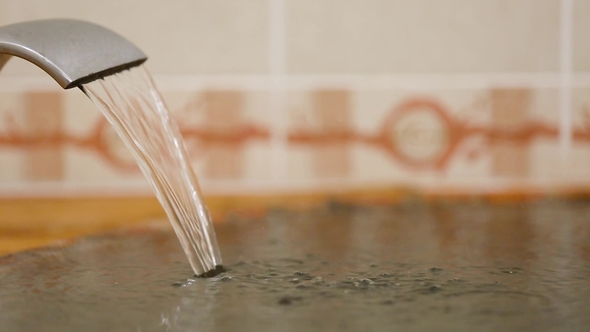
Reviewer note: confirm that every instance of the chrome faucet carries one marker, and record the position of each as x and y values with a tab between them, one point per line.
73	52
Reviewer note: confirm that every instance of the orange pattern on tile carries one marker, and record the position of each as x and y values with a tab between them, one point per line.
223	112
510	110
401	134
332	114
44	116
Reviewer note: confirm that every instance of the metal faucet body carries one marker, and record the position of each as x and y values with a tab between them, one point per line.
72	52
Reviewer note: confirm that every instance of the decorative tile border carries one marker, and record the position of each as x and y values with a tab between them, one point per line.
456	137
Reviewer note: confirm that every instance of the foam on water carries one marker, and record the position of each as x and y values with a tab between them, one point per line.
135	109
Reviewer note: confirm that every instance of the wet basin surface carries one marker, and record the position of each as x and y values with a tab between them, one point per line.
411	267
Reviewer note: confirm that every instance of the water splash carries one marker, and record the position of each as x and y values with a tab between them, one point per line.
133	106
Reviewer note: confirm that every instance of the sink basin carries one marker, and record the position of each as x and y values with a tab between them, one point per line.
408	267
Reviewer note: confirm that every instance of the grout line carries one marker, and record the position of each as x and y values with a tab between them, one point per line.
276	83
565	88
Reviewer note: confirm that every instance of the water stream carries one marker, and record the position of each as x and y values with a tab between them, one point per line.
133	106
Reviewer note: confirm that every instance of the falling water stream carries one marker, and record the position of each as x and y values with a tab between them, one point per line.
133	106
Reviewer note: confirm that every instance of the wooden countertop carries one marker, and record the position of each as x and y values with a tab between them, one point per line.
29	223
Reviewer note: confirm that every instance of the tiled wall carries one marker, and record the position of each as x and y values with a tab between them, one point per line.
291	94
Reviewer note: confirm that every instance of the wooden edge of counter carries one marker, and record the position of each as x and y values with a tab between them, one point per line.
32	222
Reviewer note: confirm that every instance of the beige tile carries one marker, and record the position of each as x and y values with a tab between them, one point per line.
11	156
29	122
581	26
183	37
45	113
548	160
246	136
12	164
511	110
578	163
332	111
422	36
87	165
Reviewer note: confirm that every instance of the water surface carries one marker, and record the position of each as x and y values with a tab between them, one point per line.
413	267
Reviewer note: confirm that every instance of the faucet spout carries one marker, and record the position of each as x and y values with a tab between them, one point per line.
72	52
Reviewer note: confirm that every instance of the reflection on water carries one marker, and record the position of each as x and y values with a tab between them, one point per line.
470	267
